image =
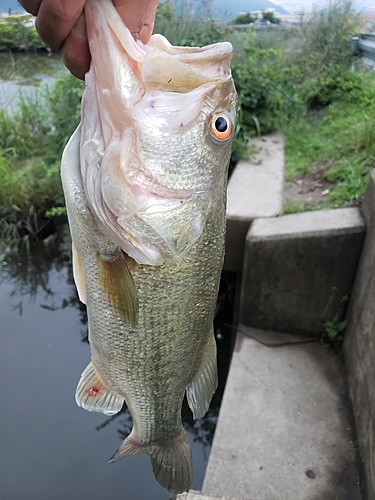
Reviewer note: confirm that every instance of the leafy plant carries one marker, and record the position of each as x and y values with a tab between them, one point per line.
335	331
323	40
31	143
271	16
245	18
188	26
17	32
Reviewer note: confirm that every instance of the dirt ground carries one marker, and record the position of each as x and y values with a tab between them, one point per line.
312	188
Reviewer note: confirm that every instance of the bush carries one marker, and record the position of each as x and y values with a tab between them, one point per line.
31	144
265	86
17	32
187	26
271	16
246	18
323	42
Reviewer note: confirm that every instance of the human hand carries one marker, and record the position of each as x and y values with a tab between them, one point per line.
61	25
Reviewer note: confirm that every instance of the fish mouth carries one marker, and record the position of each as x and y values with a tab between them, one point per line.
181	69
160	66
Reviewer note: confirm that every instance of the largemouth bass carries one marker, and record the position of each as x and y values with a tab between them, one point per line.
144	178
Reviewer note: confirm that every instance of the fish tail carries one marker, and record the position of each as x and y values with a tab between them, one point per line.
171	463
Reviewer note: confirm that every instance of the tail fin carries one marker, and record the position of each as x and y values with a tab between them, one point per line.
171	463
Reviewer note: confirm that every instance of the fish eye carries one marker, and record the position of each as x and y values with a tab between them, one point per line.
220	127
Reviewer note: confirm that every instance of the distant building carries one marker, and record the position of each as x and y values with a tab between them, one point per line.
290	20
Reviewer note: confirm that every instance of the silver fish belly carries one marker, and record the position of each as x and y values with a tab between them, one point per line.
144	178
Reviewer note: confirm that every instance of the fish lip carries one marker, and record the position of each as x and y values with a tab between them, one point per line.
189	59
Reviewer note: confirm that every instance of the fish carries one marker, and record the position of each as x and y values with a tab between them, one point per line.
144	178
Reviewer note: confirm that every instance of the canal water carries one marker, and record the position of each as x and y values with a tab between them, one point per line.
26	73
51	448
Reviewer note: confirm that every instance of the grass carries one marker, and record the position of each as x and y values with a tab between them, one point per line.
341	143
31	143
295	207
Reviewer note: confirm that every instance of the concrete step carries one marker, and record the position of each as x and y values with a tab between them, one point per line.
254	190
197	495
299	269
284	429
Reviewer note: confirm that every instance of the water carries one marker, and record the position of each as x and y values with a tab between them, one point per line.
50	448
28	73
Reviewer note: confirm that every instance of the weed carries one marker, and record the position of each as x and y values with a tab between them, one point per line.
18	32
335	331
295	207
31	143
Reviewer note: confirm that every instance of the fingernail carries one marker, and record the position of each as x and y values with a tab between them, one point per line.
79	29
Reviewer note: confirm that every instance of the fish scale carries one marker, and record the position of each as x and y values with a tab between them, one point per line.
149	270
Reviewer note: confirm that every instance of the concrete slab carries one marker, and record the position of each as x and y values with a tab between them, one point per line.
284	429
299	269
197	495
359	347
254	190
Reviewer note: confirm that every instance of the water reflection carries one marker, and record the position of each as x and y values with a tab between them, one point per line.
59	450
28	69
26	72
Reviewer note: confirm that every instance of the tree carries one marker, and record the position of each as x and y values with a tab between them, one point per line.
165	10
245	18
271	17
17	32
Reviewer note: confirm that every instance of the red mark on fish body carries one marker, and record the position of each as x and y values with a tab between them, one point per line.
93	391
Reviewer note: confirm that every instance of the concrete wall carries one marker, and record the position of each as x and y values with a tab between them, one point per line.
359	348
367	45
254	190
299	268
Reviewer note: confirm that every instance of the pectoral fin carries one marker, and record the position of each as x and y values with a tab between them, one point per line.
200	390
118	283
93	395
78	275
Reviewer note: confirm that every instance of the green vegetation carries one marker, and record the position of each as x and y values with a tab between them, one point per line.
183	28
296	81
341	143
271	16
245	18
17	32
31	144
335	332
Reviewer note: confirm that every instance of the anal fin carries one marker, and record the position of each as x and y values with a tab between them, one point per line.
93	395
118	283
204	383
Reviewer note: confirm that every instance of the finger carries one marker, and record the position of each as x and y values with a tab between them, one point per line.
139	16
75	51
56	19
148	23
31	6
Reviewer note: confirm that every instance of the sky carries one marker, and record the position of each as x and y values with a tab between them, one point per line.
296	5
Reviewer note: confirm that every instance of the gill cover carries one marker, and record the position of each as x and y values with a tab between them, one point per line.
150	159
